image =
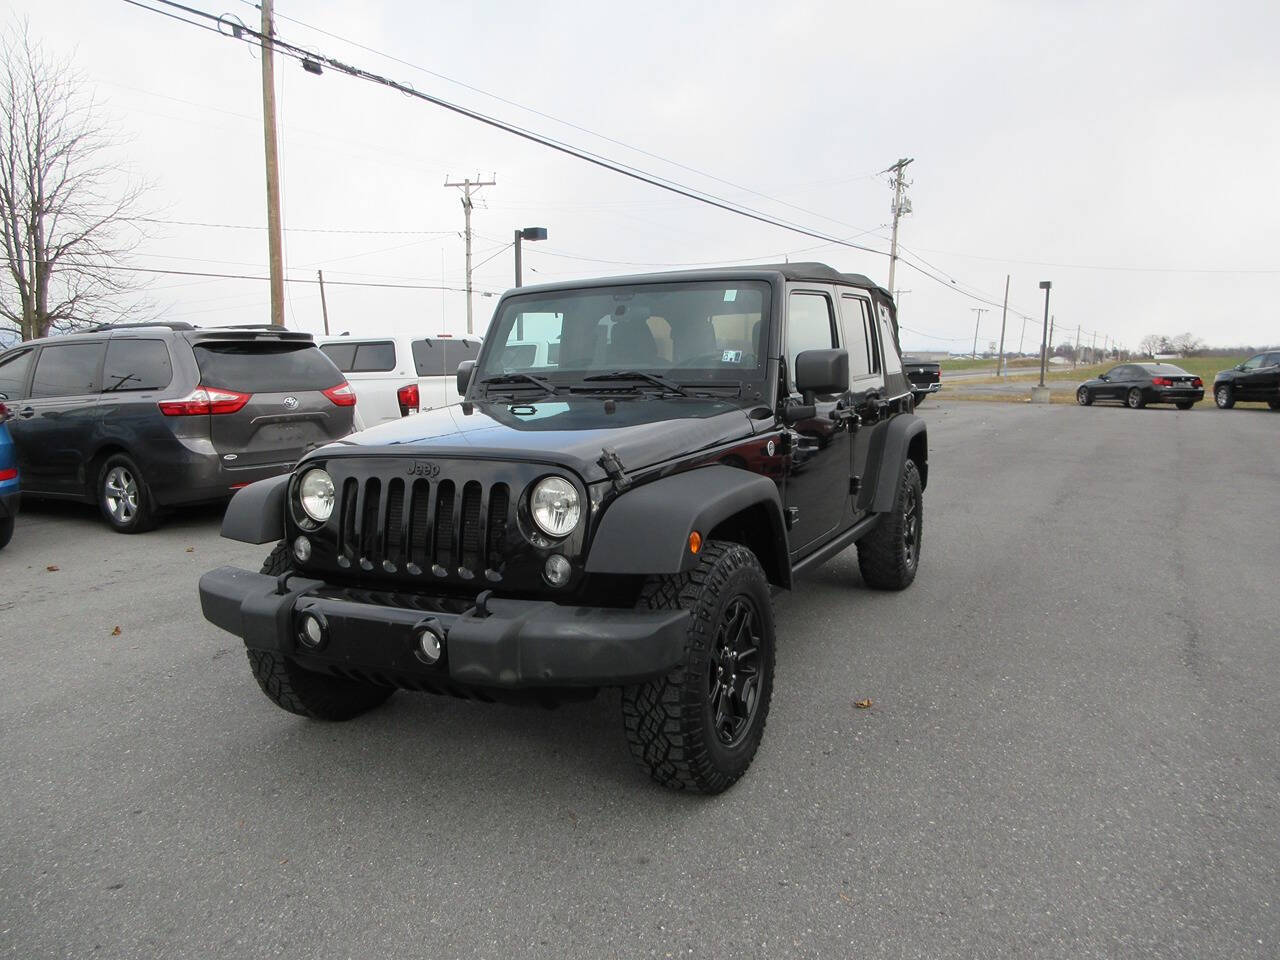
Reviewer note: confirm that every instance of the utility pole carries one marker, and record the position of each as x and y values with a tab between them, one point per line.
1075	357
979	311
1023	335
901	207
469	187
324	306
1052	321
1093	351
1004	315
1045	285
275	244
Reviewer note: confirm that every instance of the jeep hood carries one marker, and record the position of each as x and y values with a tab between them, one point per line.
571	432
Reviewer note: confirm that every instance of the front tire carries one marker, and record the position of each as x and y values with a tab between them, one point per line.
1084	397
1185	404
6	531
1224	396
1274	404
698	727
123	496
1135	400
305	692
890	554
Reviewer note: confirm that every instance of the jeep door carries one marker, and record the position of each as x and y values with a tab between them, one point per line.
54	428
817	484
866	390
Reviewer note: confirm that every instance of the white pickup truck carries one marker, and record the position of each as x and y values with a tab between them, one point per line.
395	376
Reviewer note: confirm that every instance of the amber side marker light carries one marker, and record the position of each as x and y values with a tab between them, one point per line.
695	542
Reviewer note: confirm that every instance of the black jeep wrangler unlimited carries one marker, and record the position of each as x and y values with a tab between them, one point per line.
637	463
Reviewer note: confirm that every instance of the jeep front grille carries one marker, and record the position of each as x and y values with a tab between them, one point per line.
424	527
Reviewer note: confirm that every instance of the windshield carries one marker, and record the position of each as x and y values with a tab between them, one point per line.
703	331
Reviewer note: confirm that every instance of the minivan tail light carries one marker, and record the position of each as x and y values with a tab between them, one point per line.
342	395
10	474
408	398
205	400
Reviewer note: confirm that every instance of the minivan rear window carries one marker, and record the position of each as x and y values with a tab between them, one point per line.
440	358
257	367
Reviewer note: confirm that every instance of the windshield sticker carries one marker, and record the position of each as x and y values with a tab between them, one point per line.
730	296
732	356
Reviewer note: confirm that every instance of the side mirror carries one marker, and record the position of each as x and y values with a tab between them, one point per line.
822	371
1103	376
465	369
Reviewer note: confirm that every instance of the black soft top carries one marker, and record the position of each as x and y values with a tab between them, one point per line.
818	272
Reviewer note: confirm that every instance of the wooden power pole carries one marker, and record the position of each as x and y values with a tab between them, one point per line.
1004	315
324	306
275	243
469	187
901	206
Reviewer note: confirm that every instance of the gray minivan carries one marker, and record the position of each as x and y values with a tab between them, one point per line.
141	417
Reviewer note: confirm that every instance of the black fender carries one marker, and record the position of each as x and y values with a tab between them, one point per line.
646	530
893	442
256	512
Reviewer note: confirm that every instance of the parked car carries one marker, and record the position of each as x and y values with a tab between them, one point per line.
9	480
1258	379
395	376
925	377
617	517
1138	384
141	417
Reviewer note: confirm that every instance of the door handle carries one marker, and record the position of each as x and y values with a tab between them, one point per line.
26	413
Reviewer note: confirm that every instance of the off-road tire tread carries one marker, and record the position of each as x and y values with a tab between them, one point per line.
663	717
304	692
881	559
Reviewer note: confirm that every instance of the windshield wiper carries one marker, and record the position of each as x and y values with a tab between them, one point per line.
518	377
653	378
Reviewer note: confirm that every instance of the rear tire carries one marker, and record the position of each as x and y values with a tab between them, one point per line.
123	496
6	531
1084	397
889	555
305	692
1274	404
1185	404
1135	400
1224	396
698	727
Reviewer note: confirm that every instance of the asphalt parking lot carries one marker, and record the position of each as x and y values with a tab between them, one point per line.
1071	752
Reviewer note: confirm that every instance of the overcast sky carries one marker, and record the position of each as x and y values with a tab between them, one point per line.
1129	152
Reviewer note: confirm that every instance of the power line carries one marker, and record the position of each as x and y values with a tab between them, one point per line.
248	226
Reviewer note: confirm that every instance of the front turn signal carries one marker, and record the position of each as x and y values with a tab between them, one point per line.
695	542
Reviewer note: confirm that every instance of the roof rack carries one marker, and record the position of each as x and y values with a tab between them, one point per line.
170	324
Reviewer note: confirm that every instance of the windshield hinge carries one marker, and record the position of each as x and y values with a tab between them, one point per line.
613	467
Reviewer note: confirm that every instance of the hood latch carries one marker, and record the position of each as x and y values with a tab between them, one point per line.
612	465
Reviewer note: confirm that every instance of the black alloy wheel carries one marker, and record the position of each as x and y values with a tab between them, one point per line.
1084	397
1224	396
733	671
1135	400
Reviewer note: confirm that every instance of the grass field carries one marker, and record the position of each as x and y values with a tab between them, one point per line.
1203	367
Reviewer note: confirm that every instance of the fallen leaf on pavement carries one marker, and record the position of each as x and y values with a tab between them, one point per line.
191	549
863	704
52	568
115	632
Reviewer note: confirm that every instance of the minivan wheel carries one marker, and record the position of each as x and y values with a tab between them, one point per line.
1224	397
123	496
6	531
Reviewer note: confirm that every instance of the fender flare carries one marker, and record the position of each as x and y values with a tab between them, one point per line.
895	443
646	530
256	512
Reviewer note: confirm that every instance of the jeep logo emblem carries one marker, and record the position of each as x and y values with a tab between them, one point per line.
291	402
423	469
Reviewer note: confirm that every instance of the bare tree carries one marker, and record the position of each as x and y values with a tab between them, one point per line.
1187	343
68	213
1150	344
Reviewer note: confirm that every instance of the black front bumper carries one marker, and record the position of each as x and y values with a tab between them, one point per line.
511	644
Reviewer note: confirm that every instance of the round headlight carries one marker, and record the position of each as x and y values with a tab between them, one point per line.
315	492
555	506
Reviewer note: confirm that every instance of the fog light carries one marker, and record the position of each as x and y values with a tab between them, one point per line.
557	570
429	646
302	549
310	631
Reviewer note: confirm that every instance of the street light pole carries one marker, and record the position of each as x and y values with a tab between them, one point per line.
1045	285
528	233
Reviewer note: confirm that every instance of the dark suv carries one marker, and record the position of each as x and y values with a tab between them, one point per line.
1257	379
616	516
141	417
